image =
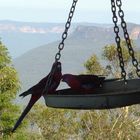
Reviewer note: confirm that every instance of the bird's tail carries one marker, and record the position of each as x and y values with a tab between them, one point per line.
24	113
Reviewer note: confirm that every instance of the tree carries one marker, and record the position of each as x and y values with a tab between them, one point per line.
55	123
9	86
110	54
93	66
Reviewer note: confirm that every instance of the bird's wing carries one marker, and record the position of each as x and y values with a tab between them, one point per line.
89	78
36	88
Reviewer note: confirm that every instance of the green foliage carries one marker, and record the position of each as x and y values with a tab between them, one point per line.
4	58
116	124
137	54
9	86
93	66
110	54
54	123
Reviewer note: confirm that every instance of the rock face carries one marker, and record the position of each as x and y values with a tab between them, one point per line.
28	27
135	33
105	32
86	31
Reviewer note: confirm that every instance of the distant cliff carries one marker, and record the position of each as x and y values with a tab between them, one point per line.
28	27
104	32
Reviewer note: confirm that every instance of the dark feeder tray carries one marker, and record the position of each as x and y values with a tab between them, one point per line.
113	94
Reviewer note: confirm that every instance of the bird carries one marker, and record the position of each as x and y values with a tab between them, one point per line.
83	82
38	90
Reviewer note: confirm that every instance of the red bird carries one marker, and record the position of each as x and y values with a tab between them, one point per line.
83	82
38	90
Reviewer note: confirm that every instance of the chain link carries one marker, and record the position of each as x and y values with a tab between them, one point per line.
65	33
60	47
127	38
118	40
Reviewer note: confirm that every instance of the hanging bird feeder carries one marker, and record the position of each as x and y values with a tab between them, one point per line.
113	93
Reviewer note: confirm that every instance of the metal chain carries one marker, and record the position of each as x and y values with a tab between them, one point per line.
127	38
65	33
118	39
60	46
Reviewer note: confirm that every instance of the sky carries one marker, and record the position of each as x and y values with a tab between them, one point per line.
97	11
